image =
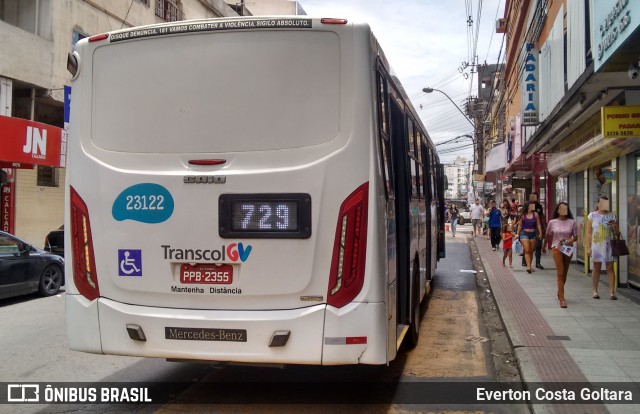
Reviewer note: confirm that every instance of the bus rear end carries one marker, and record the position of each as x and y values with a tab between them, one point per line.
219	185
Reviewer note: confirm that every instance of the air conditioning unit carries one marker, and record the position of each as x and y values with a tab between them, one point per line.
501	25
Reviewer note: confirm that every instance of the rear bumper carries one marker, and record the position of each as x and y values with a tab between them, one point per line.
308	333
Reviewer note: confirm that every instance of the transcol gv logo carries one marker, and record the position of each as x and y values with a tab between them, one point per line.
238	251
233	252
36	143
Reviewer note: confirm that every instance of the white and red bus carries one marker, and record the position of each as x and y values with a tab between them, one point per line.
247	189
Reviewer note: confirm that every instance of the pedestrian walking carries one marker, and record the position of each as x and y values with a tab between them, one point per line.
495	224
507	244
477	213
562	232
513	210
601	227
540	247
504	213
485	222
453	214
529	232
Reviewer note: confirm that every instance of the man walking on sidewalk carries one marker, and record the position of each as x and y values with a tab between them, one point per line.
495	224
477	214
540	247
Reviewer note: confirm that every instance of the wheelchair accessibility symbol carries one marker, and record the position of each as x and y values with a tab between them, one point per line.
130	262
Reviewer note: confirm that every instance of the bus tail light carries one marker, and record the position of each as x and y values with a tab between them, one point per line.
98	38
347	264
84	263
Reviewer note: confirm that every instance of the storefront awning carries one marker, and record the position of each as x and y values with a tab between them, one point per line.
533	164
593	153
28	142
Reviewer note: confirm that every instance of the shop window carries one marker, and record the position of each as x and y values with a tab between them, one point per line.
633	222
562	193
47	177
580	194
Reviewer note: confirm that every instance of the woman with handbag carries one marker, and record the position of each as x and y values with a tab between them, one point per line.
600	228
454	214
562	231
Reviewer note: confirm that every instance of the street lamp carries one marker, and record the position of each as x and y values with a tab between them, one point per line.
429	90
475	130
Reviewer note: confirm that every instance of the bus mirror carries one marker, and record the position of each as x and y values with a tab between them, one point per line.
72	64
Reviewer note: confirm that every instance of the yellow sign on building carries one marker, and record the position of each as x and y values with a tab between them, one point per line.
621	121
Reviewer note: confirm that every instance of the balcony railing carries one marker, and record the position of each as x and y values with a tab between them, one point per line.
168	11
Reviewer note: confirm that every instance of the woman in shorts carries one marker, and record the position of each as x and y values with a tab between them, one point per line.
529	232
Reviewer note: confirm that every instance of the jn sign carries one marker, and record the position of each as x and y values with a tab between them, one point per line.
31	142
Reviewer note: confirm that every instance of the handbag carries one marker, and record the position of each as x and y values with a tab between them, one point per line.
517	247
619	247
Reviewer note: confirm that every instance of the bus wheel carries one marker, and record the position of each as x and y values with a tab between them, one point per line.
411	341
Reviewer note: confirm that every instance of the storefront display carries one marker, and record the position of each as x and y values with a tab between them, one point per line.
633	220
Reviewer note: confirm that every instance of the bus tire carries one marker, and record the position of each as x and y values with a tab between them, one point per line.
411	340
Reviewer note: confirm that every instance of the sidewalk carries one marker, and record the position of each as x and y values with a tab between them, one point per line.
589	341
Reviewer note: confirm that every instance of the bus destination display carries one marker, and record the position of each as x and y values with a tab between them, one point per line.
265	215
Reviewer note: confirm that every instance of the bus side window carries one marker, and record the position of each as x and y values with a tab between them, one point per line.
383	129
434	174
411	132
420	166
428	170
383	120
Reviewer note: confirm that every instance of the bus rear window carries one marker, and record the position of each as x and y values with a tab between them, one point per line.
220	92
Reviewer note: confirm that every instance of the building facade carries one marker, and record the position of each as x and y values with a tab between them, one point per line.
35	38
267	7
458	174
572	97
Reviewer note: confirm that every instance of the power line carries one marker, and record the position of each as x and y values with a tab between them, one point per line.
456	149
493	32
454	139
474	57
127	15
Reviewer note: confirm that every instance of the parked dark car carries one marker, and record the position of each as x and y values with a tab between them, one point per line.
54	242
25	269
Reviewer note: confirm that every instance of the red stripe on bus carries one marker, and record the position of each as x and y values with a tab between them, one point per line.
355	340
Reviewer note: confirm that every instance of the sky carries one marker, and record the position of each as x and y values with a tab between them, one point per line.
430	44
